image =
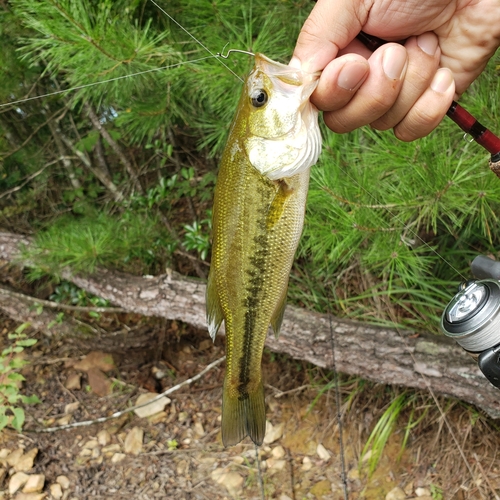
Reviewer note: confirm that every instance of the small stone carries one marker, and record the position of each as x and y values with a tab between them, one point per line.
96	359
239	460
103	437
284	497
99	382
306	464
112	448
64	420
30	496
4	453
17	481
273	432
232	481
153	408
63	481
25	463
396	494
278	452
273	463
117	458
133	441
96	452
323	453
198	429
217	474
158	417
422	492
13	457
91	444
71	407
56	491
73	381
86	452
34	484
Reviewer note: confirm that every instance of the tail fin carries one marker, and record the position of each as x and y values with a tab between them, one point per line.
243	416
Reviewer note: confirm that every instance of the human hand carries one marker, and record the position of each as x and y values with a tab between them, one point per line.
408	88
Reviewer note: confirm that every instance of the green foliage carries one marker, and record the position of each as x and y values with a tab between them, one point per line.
382	431
134	241
68	293
11	363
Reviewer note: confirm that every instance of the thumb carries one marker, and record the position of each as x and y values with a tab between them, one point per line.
329	28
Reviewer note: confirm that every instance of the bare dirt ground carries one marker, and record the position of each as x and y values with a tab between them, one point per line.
177	453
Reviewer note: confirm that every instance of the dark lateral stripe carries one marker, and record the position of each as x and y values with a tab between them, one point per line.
254	290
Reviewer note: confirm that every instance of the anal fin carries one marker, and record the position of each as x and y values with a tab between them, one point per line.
214	310
277	317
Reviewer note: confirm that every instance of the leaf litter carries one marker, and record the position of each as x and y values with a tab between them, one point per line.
177	452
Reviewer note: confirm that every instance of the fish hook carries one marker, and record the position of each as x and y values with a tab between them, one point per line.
220	54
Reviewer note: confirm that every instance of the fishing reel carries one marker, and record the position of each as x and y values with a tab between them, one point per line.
472	318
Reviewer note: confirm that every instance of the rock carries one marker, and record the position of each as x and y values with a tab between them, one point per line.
231	480
133	441
86	452
198	429
323	453
73	381
153	408
103	437
4	453
278	452
64	420
217	474
30	496
56	491
91	444
71	407
95	359
306	464
396	494
273	463
422	492
112	448
17	481
99	383
273	433
408	489
13	457
284	497
63	481
205	344
34	484
25	462
117	458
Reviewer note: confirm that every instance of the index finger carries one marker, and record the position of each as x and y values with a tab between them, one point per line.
328	29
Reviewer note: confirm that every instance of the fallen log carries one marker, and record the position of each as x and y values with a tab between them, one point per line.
383	355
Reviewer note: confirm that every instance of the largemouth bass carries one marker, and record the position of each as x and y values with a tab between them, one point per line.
258	216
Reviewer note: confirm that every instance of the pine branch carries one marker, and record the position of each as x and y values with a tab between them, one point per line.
107	137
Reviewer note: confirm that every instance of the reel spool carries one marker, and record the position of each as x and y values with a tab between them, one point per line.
472	317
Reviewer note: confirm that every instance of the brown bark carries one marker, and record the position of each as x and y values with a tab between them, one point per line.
380	354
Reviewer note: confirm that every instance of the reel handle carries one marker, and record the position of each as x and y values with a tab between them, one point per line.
483	267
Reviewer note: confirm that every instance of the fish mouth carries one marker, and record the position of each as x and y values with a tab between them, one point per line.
289	74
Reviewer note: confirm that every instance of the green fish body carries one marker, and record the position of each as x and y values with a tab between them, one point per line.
258	216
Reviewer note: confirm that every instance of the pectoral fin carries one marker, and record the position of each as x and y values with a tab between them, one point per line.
214	309
277	317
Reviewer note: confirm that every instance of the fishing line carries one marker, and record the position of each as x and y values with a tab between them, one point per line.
79	87
196	40
343	472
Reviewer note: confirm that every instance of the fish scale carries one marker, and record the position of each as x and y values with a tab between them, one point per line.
257	222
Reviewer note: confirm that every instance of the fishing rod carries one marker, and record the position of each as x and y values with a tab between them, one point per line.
472	317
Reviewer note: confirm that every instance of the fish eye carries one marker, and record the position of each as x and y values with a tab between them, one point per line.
258	98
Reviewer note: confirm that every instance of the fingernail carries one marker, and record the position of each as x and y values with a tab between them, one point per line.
428	42
295	62
394	62
442	80
352	75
